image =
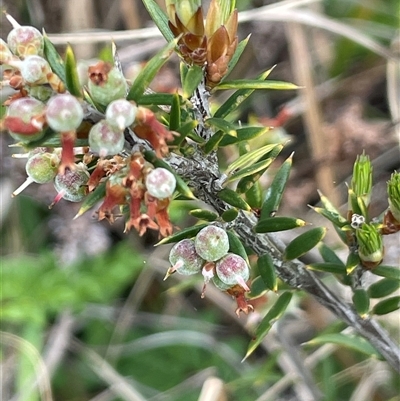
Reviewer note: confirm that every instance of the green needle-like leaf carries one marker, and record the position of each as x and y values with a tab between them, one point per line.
182	234
191	80
267	271
243	134
274	224
234	199
245	172
53	58
275	191
387	271
148	73
304	243
203	214
271	317
92	199
175	113
383	288
386	306
71	73
159	18
236	246
255	84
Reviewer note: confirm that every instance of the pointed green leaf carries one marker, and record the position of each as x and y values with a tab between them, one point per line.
244	134
183	234
184	130
386	306
333	217
92	199
146	75
274	224
387	271
304	243
232	198
275	191
237	98
255	84
329	256
250	158
191	80
383	288
353	260
213	142
159	18
236	246
270	318
328	267
247	182
267	271
257	288
71	73
236	56
181	185
223	125
254	196
150	99
229	215
345	340
175	113
250	170
53	58
203	214
361	301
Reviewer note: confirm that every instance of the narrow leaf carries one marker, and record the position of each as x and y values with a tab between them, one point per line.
255	84
247	182
229	215
353	260
191	80
236	246
361	301
159	18
254	196
328	255
158	99
147	74
71	73
54	59
328	267
203	214
354	342
387	271
250	170
304	243
386	306
250	158
182	234
213	142
267	271
223	125
244	134
270	318
184	130
257	288
274	224
275	191
232	198
92	199
237	98
175	113
383	288
332	216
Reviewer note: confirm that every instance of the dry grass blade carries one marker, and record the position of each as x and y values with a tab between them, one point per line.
42	380
213	390
393	85
105	371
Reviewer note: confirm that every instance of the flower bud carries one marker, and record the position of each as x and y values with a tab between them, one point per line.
393	189
212	243
185	10
121	114
160	183
361	183
24	119
184	259
34	70
42	167
232	269
105	139
357	221
25	41
106	83
64	113
370	245
72	184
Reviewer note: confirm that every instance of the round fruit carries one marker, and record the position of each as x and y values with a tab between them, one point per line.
184	259
42	167
160	183
121	114
25	40
212	243
105	139
64	113
34	70
233	269
72	184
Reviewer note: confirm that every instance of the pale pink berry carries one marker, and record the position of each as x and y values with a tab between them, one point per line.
25	41
121	114
64	113
106	140
212	243
160	183
232	269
